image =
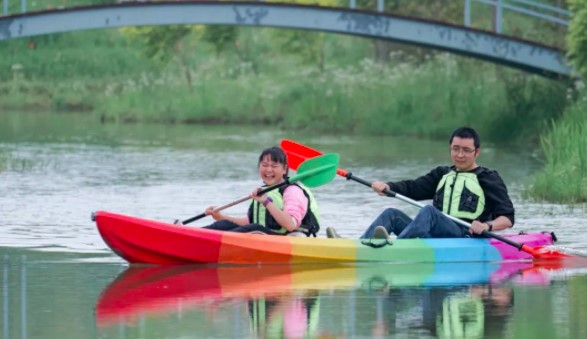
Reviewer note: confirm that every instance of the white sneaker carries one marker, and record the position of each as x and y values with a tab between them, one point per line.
380	233
331	233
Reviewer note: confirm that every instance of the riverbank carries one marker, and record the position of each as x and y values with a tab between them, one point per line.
350	94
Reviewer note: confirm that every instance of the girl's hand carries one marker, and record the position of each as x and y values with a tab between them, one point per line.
210	211
254	195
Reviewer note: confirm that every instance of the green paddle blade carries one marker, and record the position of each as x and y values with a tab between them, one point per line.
317	171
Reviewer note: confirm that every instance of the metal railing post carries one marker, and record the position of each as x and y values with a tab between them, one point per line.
352	4
498	15
467	13
23	6
379	6
5	294
23	299
5	6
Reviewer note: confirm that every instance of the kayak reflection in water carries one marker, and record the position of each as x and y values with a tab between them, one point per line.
278	212
288	316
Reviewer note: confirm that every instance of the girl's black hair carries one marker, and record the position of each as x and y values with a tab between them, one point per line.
277	155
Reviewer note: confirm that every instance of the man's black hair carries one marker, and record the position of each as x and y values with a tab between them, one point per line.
466	133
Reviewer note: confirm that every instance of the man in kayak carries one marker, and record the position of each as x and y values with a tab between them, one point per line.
278	212
465	190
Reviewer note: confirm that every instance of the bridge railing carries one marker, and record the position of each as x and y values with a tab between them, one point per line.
544	21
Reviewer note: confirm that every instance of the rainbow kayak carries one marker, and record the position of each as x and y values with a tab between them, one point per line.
140	240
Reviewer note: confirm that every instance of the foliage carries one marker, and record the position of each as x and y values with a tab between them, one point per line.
529	101
221	37
365	99
564	177
308	47
160	43
577	36
76	55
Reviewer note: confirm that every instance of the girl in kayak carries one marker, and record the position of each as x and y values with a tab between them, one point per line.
278	212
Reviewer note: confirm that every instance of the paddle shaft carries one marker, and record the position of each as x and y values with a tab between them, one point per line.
236	202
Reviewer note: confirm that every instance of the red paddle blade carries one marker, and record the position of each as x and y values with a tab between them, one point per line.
544	253
294	160
297	153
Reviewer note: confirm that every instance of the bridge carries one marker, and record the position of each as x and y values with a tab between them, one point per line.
492	46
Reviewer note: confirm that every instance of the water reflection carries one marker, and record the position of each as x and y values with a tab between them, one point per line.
42	298
461	300
48	295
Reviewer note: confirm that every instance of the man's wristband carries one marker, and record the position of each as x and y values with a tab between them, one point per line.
267	201
490	224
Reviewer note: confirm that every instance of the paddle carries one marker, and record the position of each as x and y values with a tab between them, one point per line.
313	172
296	153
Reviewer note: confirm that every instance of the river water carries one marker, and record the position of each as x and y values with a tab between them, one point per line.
61	280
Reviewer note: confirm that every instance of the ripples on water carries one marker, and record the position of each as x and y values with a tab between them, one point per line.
53	179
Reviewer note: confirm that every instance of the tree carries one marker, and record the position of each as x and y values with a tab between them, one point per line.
221	37
162	43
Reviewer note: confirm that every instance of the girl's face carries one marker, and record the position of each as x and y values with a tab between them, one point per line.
271	172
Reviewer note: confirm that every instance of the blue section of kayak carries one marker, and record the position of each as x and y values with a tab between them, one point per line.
470	249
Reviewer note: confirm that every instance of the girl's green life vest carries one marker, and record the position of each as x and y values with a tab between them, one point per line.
258	213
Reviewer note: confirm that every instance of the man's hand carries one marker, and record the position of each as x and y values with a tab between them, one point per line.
379	187
478	227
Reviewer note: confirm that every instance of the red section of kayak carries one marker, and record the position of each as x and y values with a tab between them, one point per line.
146	241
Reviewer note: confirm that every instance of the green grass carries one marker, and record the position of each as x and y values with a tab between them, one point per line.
564	177
367	98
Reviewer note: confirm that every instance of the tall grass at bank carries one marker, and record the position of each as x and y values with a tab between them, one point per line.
65	71
87	55
564	177
404	98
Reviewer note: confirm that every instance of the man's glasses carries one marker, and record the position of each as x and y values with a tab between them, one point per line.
465	150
